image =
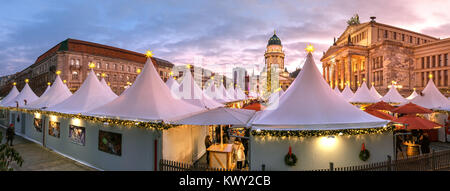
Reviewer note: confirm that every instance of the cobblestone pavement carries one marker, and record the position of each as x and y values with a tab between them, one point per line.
38	158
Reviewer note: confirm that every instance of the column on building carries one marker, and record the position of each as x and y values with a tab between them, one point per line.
367	69
328	72
349	69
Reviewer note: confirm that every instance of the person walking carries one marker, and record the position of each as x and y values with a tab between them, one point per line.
240	155
208	143
10	132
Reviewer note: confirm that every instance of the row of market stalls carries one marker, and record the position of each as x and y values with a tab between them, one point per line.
310	125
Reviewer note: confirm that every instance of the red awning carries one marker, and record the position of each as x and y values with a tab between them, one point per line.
414	122
255	106
411	108
381	105
380	114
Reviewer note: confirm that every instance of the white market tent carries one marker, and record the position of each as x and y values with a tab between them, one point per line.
392	96
310	104
148	98
347	93
222	93
26	94
375	93
193	94
362	95
413	95
90	95
46	90
275	96
219	116
108	89
55	95
212	91
172	84
431	98
336	90
240	95
11	95
252	94
231	93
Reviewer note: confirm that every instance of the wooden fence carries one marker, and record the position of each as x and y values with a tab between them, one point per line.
168	165
426	162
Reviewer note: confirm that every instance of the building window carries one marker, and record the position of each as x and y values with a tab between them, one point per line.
410	39
428	62
446	78
99	65
423	62
115	66
395	35
445	59
422	77
129	69
77	62
74	75
418	40
403	37
433	63
385	34
72	62
107	66
123	68
438	78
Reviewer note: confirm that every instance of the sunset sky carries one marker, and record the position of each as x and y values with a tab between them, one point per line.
223	34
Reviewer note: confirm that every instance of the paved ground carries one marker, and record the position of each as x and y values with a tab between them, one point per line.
38	158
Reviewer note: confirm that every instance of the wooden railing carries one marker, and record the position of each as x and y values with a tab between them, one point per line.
426	162
168	165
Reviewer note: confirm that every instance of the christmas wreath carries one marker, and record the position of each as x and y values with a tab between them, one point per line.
364	154
290	159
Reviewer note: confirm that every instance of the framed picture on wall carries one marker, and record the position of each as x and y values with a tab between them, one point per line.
53	128
77	135
110	142
2	114
38	124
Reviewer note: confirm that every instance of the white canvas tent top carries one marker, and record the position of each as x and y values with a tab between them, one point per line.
172	84
222	93
431	98
219	116
46	90
26	94
336	90
413	95
275	96
212	91
310	104
147	99
108	89
193	94
362	95
90	95
11	95
392	96
347	93
231	93
375	93
240	95
56	94
252	94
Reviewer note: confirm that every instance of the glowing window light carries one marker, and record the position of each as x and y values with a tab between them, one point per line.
37	115
76	122
53	118
328	142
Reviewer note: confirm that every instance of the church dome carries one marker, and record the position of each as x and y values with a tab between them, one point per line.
274	40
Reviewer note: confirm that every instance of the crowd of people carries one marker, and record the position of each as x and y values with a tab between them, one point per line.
415	137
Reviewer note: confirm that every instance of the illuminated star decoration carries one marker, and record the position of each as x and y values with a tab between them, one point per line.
309	48
92	65
27	80
48	83
149	54
58	72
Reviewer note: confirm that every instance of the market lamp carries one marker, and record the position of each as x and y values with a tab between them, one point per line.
430	76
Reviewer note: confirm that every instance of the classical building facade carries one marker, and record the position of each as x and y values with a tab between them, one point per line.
274	63
380	53
72	57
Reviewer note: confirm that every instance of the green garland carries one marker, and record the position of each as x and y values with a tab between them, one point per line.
318	133
364	155
105	120
290	160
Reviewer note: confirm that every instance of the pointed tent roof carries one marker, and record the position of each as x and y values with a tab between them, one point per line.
25	94
108	89
240	95
310	104
413	95
222	93
275	96
347	93
431	98
11	95
148	98
375	93
90	95
336	90
46	90
56	94
212	92
193	94
231	93
172	84
252	94
392	96
362	95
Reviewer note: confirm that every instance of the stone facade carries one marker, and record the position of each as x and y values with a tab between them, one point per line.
379	54
72	57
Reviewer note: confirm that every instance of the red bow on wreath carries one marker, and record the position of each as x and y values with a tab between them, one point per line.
290	151
363	147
